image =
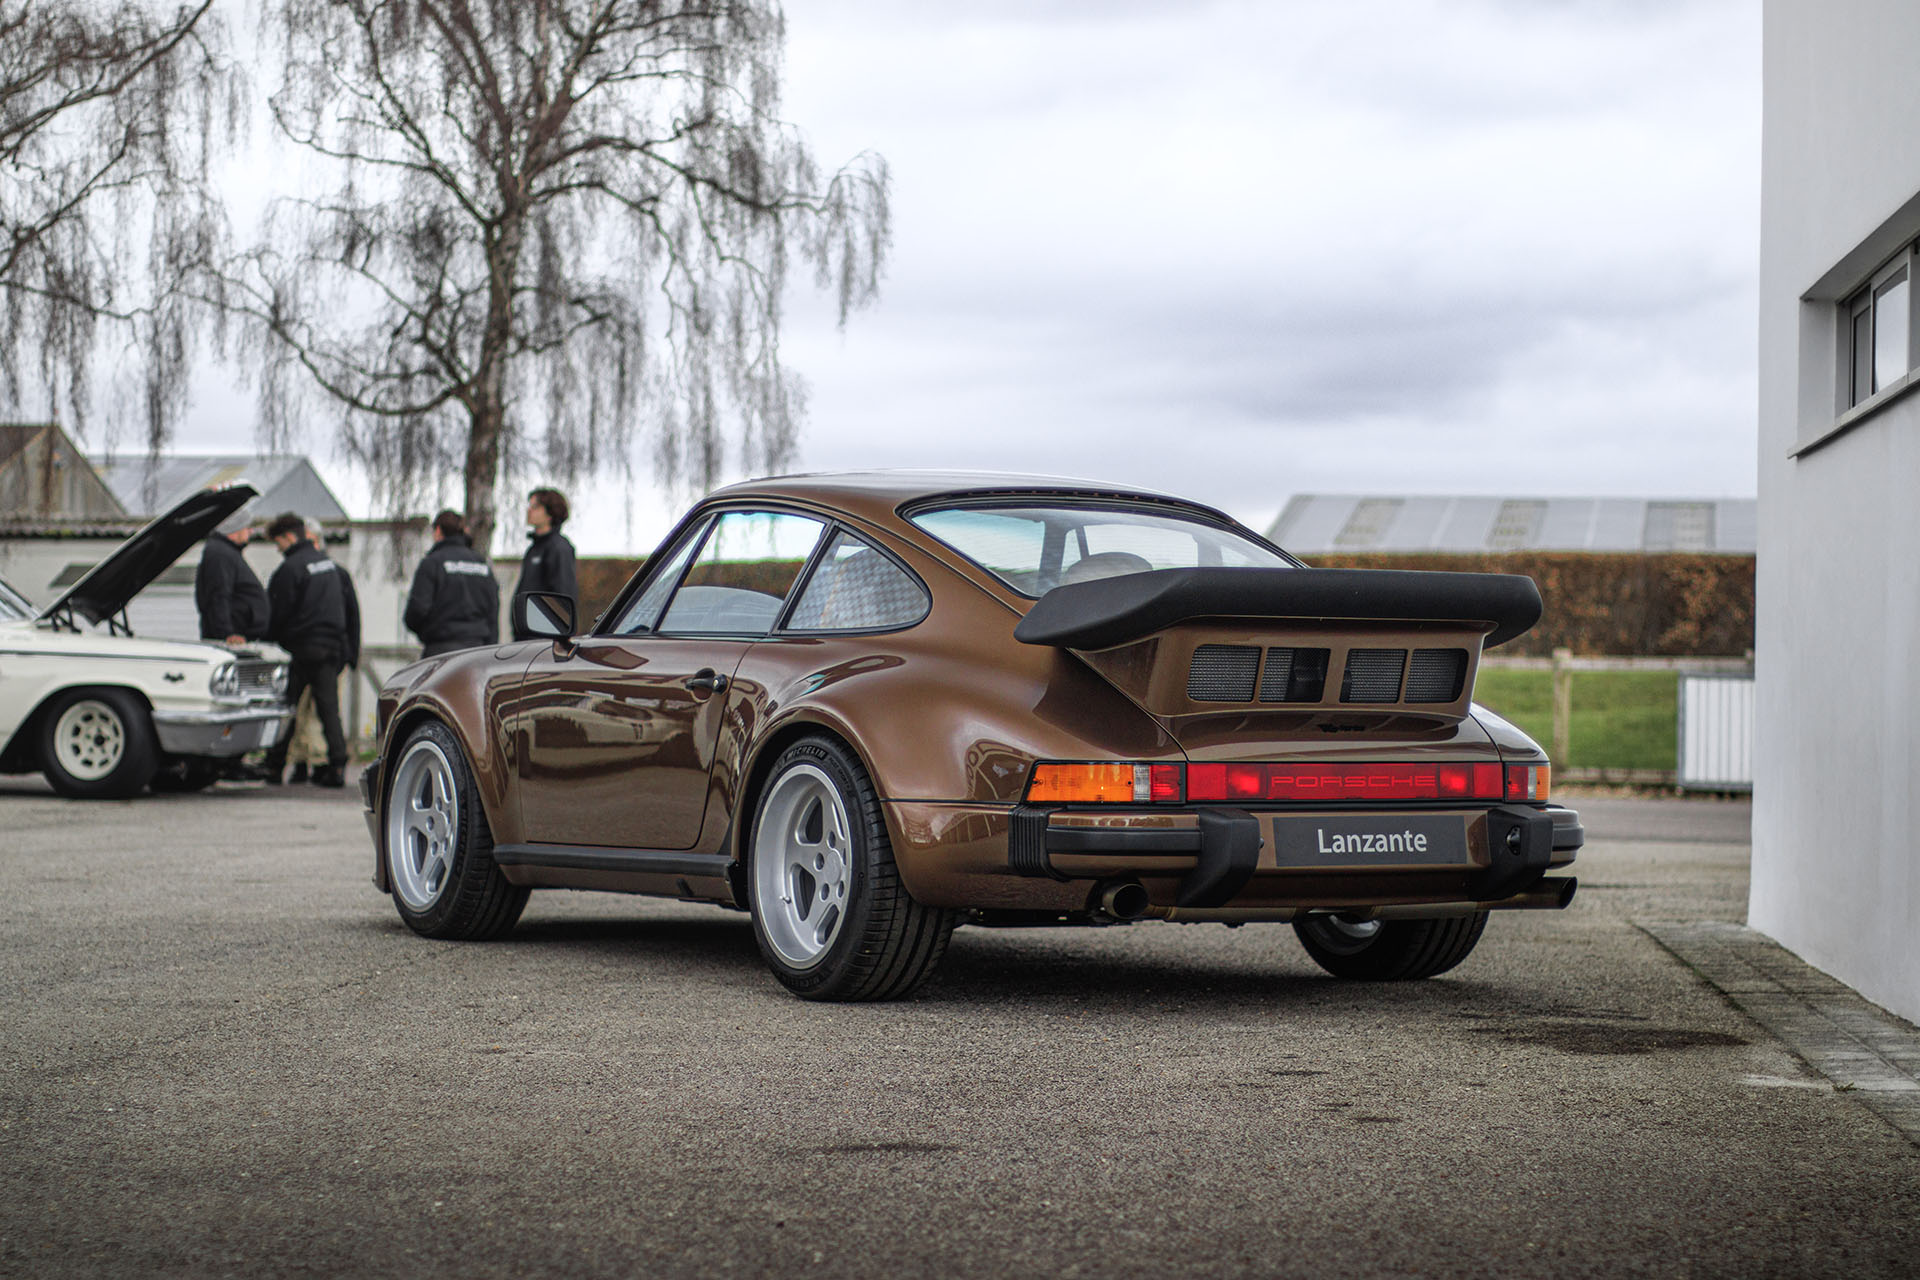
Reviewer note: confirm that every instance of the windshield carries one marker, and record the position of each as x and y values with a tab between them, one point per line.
13	605
1034	548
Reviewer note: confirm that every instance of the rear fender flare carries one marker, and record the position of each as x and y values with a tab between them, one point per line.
802	724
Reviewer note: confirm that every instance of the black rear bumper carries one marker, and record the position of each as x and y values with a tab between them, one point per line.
1522	842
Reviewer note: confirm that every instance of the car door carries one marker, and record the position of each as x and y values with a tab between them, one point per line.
617	732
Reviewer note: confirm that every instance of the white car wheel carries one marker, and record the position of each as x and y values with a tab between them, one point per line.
97	744
89	739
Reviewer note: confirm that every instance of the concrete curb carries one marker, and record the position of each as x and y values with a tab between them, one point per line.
1858	1046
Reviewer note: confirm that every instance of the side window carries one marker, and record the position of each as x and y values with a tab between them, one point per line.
645	609
743	573
855	588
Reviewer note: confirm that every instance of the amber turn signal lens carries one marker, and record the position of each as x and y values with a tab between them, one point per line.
1106	784
1080	783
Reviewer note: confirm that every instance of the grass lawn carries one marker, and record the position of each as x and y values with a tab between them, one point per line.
1621	719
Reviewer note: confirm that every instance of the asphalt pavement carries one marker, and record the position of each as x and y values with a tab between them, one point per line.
224	1055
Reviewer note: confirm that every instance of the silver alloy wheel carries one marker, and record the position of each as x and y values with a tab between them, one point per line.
1343	935
90	739
1358	930
422	822
802	864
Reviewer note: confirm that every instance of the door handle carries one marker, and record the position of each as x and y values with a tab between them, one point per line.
706	680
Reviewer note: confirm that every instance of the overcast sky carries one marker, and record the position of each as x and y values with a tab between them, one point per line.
1242	250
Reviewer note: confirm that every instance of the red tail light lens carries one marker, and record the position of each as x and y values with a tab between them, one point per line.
1164	784
1122	783
1343	782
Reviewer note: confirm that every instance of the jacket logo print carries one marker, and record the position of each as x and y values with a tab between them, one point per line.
321	566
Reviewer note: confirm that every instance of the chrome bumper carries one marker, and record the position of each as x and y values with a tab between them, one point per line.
219	733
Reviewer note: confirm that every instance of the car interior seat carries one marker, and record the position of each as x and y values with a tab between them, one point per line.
1106	564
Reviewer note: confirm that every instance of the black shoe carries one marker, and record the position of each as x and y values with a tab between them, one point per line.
270	775
329	776
299	772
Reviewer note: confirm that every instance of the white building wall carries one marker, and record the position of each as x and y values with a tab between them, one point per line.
1835	843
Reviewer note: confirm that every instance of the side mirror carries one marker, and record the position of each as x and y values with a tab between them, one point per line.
543	614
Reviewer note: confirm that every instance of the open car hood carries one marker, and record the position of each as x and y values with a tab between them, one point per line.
104	590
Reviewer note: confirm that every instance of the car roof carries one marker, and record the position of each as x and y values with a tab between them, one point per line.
879	495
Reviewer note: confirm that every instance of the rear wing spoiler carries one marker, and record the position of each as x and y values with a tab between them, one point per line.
1115	611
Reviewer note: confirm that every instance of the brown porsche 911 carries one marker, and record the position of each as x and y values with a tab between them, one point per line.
868	708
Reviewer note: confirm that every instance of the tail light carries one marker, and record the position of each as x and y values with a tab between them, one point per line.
1105	783
1529	781
1344	782
1123	783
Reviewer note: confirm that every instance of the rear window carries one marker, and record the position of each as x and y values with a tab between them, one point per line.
1034	549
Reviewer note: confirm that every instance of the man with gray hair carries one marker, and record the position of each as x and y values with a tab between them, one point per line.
231	602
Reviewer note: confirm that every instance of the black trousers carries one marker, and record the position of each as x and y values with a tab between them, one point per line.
322	675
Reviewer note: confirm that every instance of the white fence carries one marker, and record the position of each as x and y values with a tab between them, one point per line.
1714	719
1716	733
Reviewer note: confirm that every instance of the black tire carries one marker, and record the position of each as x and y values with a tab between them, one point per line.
97	744
439	856
188	773
881	945
1389	950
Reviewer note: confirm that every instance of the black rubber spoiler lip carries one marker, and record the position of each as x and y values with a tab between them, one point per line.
1114	611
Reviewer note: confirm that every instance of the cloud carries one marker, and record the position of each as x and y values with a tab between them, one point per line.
1241	249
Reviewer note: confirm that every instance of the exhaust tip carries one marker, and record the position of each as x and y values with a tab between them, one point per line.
1126	900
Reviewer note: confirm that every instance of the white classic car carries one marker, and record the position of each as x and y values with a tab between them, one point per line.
104	713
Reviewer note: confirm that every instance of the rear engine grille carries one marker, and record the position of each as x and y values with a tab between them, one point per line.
1373	675
1435	675
1222	673
1294	675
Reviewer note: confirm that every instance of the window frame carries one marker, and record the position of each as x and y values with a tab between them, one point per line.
696	527
715	516
1860	302
834	529
689	531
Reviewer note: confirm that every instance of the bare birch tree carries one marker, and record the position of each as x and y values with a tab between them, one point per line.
535	233
109	116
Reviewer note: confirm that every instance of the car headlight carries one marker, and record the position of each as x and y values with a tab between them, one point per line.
280	681
225	681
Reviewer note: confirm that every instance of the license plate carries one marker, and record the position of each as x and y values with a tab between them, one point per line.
1371	840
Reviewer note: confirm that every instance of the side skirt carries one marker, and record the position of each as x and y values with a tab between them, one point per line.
665	873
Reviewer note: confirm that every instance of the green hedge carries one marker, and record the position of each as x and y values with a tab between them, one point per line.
1665	605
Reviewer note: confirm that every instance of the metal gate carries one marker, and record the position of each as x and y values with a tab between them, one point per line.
1716	733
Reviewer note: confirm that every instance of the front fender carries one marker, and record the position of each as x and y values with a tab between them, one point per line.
465	691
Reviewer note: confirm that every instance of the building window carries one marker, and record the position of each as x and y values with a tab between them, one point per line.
1876	331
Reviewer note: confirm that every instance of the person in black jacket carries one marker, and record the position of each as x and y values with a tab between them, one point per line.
548	564
316	619
455	601
232	603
